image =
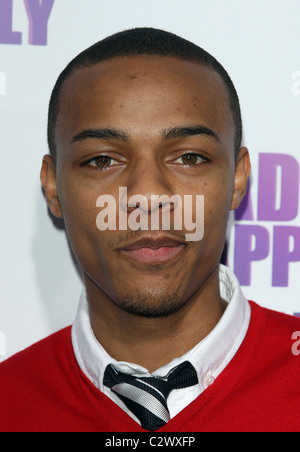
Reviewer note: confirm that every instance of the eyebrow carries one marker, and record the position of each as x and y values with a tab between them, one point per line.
166	134
185	132
101	134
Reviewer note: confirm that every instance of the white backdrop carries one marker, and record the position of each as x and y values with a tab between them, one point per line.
258	42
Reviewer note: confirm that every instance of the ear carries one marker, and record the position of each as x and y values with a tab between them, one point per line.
48	179
242	173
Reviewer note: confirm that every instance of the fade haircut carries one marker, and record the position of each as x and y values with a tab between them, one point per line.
143	41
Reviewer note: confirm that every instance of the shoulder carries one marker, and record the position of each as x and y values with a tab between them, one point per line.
39	385
38	359
272	319
277	336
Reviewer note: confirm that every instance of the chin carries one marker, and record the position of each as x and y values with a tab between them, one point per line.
150	306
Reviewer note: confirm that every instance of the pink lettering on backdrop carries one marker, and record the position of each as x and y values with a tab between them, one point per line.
252	244
278	178
286	249
277	202
38	13
7	35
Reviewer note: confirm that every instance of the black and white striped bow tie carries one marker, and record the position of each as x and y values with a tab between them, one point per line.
146	397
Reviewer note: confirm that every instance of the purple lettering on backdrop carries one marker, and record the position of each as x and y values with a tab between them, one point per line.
245	211
7	35
268	184
38	14
283	255
245	253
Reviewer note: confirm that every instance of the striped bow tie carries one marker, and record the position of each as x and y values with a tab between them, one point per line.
146	397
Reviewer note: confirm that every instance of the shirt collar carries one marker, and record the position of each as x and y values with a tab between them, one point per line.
210	357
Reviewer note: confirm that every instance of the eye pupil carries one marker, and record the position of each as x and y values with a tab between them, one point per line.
103	162
189	159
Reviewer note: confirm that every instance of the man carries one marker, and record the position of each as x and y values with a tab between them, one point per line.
164	339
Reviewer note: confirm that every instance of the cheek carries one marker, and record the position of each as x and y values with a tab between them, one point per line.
79	213
77	197
79	209
217	200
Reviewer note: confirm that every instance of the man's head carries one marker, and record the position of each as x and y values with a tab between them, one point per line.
153	113
143	41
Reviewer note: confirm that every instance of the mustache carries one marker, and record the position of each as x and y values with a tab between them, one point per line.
128	236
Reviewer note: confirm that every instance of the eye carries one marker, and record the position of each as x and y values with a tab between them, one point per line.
102	161
190	159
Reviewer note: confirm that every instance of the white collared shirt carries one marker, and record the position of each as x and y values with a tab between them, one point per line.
210	357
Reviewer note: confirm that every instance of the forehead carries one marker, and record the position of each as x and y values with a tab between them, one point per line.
155	92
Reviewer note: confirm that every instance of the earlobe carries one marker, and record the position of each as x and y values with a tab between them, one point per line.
236	200
242	173
48	180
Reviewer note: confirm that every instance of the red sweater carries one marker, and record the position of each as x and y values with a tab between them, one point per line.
42	389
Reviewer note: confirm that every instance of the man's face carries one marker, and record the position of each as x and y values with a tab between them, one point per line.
138	123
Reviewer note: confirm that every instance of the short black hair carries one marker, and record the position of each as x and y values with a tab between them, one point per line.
143	41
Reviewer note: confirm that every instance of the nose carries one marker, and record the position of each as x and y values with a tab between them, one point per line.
149	193
148	188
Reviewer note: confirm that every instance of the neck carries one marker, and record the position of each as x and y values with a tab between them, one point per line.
154	342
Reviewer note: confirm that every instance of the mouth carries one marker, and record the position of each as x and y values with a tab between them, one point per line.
149	250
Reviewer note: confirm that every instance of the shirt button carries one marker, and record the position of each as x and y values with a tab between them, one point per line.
209	380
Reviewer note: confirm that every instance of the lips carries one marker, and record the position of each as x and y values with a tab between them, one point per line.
151	250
